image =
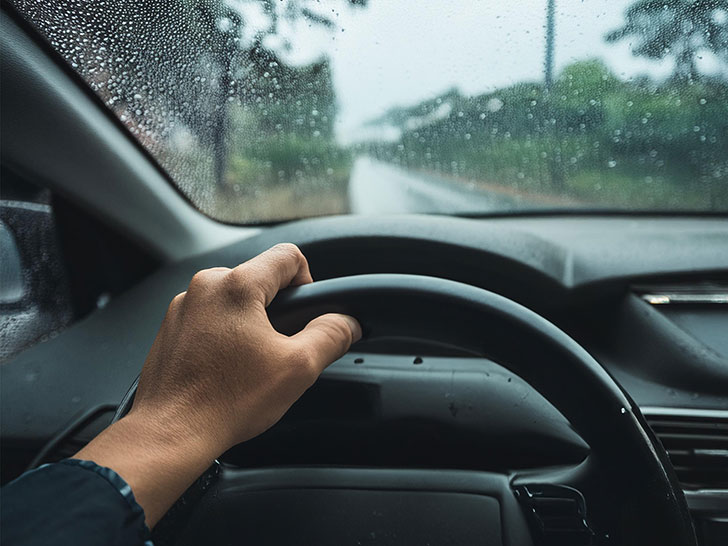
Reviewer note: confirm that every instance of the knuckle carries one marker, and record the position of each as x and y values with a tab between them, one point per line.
241	281
304	363
200	279
290	250
287	247
176	302
337	332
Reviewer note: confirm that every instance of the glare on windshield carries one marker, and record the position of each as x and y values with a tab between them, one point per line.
266	110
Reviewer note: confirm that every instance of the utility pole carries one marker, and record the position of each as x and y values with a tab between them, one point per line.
549	61
556	169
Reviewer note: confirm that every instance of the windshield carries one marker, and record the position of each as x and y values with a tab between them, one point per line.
265	110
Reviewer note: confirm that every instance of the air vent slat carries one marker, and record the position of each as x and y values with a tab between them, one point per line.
684	424
693	438
702	471
697	447
703	462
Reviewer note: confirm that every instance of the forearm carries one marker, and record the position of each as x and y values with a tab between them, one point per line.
217	375
157	458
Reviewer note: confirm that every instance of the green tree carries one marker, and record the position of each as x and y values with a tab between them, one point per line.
677	28
223	25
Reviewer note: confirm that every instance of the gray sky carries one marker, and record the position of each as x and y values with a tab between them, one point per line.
400	52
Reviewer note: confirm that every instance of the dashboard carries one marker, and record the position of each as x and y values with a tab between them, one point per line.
646	296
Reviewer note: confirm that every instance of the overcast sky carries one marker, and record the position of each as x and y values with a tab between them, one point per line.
400	52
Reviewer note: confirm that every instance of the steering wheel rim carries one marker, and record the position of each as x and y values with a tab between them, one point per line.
519	339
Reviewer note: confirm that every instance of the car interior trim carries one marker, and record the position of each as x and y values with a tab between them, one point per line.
97	166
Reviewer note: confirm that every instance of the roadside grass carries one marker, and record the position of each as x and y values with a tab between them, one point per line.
574	171
629	190
261	198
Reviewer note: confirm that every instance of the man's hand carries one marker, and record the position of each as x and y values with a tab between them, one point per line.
217	374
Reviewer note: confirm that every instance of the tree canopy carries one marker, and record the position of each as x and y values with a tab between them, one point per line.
680	29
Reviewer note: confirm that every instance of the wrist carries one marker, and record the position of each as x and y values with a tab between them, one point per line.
175	434
159	458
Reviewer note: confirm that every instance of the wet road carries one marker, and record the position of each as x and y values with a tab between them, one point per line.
377	188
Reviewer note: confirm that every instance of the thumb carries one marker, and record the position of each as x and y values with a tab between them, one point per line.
328	337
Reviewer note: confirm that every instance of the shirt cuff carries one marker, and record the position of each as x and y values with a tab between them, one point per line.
118	483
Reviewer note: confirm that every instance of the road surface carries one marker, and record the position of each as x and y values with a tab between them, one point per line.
380	188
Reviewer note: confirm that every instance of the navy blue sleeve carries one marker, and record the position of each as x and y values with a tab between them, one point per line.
71	502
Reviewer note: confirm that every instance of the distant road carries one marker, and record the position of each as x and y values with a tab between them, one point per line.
376	188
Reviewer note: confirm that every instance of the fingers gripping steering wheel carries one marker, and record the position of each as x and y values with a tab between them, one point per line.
483	323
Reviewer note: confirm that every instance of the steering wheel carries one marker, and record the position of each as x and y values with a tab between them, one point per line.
651	507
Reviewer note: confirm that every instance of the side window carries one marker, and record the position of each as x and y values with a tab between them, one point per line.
35	298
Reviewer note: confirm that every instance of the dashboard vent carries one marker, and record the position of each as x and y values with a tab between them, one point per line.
555	513
697	444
